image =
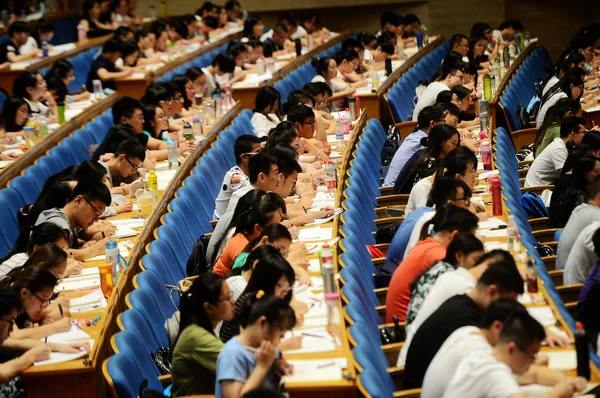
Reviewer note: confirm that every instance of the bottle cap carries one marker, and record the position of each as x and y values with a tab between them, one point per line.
195	119
170	141
332	296
579	326
152	172
326	246
111	245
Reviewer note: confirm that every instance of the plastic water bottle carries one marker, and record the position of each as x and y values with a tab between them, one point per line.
327	270
375	80
81	34
330	176
513	236
400	49
197	127
532	274
486	155
112	257
339	135
173	155
423	30
218	103
43	128
228	98
334	319
260	65
44	48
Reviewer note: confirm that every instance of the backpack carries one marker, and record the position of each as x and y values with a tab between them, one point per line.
383	275
522	118
544	250
533	205
391	145
146	392
197	264
386	234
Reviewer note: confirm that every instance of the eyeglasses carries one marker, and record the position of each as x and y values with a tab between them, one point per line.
533	357
97	211
461	77
180	99
167	102
284	289
250	153
311	123
161	116
138	117
464	199
44	302
135	168
227	299
355	66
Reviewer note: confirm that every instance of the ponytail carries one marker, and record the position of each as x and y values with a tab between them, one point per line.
450	218
255	305
261	213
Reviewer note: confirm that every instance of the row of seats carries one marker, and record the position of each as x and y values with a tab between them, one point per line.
150	303
82	63
401	95
200	62
356	265
71	151
521	89
298	78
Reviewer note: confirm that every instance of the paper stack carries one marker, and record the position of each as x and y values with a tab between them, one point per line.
89	278
315	234
316	370
313	340
92	301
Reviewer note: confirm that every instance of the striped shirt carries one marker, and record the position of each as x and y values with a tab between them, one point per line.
13	262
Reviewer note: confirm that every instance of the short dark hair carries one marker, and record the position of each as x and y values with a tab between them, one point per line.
457	38
570	124
522	329
92	191
500	310
131	149
460	91
46	27
504	275
23	82
155	93
515	24
124	107
111	46
444	189
231	4
479	28
299	113
280	28
464	243
427	115
225	62
9	300
411	18
288	165
243	144
122	31
260	163
18	27
298	97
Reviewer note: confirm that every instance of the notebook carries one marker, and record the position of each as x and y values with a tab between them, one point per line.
316	370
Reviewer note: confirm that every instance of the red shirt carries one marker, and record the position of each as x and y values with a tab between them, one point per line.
426	253
233	249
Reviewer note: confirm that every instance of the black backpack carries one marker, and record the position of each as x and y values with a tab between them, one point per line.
391	145
522	118
197	264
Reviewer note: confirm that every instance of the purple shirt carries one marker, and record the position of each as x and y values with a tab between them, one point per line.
409	146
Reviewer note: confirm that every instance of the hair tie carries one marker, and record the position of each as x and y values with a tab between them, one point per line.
260	294
444	171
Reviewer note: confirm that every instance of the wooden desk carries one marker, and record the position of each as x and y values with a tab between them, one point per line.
135	88
83	378
373	103
7	77
52	139
247	95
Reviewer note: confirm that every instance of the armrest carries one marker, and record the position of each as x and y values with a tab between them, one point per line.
382	246
386	190
525	162
545	235
391	352
165	380
557	277
405	128
381	222
537	188
378	261
412	393
392	200
569	293
550	262
213	223
538	223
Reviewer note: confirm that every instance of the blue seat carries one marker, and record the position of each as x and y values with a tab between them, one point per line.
62	155
144	302
125	375
49	163
39	175
26	187
128	343
161	262
133	320
150	281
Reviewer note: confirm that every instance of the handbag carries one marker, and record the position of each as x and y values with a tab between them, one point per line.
162	359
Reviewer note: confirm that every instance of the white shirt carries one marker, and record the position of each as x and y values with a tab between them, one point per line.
539	119
428	97
29	46
227	189
457	346
16	260
553	80
236	284
546	168
300	33
267	35
416	232
263	124
318	79
481	375
38	109
498	35
446	286
211	83
582	256
418	195
237	195
367	55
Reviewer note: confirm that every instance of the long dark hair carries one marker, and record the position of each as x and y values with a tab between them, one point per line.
321	65
266	97
205	289
249	26
277	311
572	77
259	214
450	218
149	114
269	269
47	256
433	143
456	162
555	114
34	279
8	114
273	232
180	81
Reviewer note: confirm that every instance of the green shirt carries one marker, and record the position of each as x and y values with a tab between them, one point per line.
552	132
194	364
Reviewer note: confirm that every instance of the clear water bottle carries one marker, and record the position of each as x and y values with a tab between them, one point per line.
330	176
218	104
173	155
197	127
5	18
44	48
228	97
327	270
339	135
112	257
425	35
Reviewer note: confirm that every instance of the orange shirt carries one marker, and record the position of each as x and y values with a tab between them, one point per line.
426	253
233	249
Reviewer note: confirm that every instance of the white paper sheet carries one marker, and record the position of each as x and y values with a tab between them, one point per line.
498	233
123	250
81	283
64	47
543	315
311	234
315	265
320	221
75	334
489	246
562	360
59	357
124	232
4	163
130	222
313	340
316	370
94	300
490	223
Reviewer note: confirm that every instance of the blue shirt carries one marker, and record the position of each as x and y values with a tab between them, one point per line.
236	363
398	244
409	146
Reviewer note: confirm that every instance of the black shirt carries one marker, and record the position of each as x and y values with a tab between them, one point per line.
455	313
116	135
97	64
269	47
8	47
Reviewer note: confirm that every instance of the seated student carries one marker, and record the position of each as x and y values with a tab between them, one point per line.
264	319
234	11
207	302
198	80
239	52
413	25
428	118
492	372
381	52
477	53
19	33
448	221
441	140
570	86
550	128
274	276
13	117
445	190
571	61
146	39
161	44
40	235
505	34
65	71
460	43
120	11
93	22
266	109
500	280
43	31
274	45
155	121
33	89
461	163
393	23
255	51
86	205
104	69
464	251
263	173
347	63
222	64
253	28
546	168
582	257
130	54
304	121
186	88
581	217
244	148
327	72
450	76
128	158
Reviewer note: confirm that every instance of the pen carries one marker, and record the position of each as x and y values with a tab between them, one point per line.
499	227
316	336
62	315
326	365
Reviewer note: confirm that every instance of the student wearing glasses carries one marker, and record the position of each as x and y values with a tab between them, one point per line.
65	71
19	33
349	62
327	72
13	117
450	76
104	68
86	205
460	44
222	64
32	87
